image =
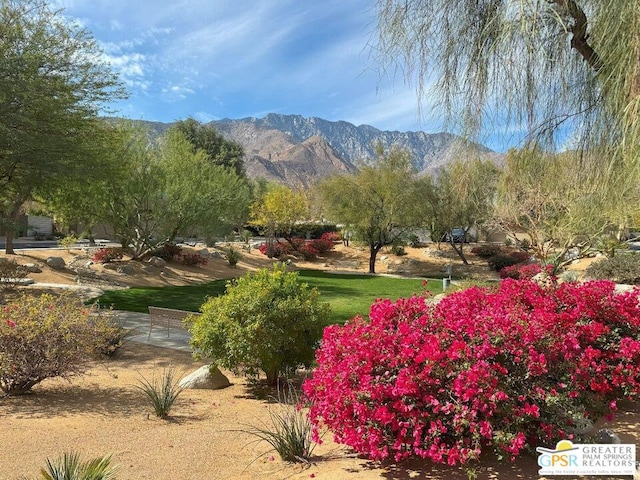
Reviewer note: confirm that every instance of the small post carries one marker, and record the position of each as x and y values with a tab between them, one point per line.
446	281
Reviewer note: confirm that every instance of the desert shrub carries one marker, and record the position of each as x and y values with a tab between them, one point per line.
313	230
109	254
502	260
168	252
11	273
233	256
192	259
414	240
266	321
398	249
620	269
504	369
161	392
68	242
70	467
486	250
308	251
48	336
291	431
275	249
521	271
326	242
114	336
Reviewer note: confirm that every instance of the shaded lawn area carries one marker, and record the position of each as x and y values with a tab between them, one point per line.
348	295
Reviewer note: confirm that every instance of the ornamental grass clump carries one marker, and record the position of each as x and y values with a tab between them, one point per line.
504	369
290	432
70	467
49	336
161	392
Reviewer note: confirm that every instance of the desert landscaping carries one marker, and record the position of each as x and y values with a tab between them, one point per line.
206	435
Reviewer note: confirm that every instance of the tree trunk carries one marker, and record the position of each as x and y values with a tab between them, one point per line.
373	252
11	230
272	376
459	252
9	242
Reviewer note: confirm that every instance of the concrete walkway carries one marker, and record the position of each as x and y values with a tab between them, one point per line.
140	324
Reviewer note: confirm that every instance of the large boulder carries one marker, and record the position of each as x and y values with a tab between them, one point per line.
57	263
207	376
204	252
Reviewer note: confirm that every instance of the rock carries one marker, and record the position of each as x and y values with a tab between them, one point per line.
125	269
157	262
32	268
110	266
582	426
383	258
608	437
543	279
88	264
216	255
57	263
207	376
204	252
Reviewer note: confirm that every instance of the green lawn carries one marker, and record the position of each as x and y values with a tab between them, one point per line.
348	295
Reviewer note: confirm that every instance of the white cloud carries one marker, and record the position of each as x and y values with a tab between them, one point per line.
176	92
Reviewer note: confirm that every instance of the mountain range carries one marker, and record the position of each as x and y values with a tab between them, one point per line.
297	151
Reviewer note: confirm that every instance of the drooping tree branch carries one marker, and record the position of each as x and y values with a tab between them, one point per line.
580	38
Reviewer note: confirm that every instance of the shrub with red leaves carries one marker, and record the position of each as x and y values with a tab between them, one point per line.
106	255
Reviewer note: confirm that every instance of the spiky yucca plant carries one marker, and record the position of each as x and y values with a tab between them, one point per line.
70	467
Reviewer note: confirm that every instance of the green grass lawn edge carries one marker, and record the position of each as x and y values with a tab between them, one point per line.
347	294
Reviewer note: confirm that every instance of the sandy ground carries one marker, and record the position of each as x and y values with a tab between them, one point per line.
102	412
424	262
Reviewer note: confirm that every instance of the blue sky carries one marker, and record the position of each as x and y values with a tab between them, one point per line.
213	59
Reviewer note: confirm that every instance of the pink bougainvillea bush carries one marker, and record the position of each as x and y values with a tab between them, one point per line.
506	369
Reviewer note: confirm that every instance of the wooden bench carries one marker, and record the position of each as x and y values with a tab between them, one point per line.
167	318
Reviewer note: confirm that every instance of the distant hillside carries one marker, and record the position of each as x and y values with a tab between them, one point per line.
353	144
298	151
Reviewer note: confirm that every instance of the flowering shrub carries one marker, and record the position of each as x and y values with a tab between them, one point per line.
502	260
486	250
308	249
521	271
48	336
106	255
503	369
193	259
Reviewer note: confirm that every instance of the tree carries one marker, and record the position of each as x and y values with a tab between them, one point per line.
201	197
564	70
266	321
80	202
461	194
380	202
52	85
219	150
171	190
554	203
278	210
